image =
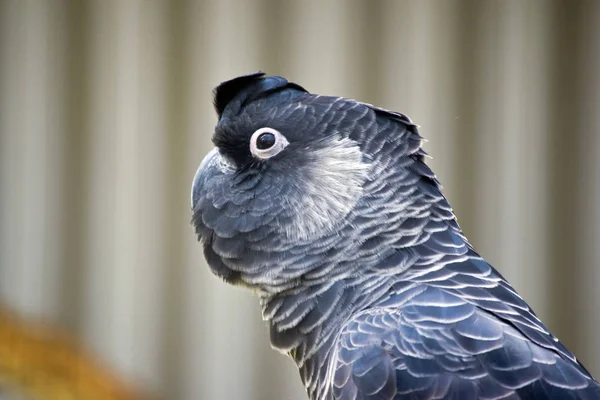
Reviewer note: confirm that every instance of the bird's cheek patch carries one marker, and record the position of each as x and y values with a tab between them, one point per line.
328	188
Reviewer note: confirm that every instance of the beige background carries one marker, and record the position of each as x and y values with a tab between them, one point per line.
106	112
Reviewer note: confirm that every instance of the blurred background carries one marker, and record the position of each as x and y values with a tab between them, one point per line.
106	113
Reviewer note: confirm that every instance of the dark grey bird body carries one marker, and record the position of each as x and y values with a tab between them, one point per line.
365	278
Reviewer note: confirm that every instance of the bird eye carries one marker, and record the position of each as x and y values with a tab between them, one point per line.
267	142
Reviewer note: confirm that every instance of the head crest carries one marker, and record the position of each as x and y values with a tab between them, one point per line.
236	89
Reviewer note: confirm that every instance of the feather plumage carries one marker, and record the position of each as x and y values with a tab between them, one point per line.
365	277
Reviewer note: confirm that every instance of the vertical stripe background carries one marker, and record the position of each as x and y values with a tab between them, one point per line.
105	113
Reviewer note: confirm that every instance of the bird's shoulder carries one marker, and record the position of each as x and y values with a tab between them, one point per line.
433	341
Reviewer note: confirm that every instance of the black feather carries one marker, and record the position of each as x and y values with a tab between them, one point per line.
236	89
227	90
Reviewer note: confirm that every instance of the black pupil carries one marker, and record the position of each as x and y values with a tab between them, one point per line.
265	141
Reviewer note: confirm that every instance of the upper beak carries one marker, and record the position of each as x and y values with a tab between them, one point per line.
199	177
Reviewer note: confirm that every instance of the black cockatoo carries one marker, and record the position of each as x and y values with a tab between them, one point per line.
325	207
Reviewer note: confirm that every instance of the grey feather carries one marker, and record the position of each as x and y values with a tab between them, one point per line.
364	275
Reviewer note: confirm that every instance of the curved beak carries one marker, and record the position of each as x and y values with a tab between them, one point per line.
199	177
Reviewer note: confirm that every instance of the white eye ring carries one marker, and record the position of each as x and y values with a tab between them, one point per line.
267	142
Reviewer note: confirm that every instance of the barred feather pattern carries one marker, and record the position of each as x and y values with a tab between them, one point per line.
391	302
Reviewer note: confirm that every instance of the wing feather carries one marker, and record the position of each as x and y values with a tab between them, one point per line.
438	345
